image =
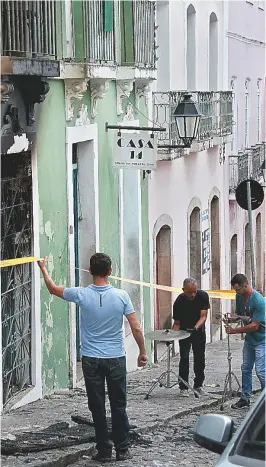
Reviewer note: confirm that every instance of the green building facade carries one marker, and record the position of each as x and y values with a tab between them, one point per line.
92	66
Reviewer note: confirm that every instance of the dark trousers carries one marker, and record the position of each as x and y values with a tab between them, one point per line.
198	342
112	370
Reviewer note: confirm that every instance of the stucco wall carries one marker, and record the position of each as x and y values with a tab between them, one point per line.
53	235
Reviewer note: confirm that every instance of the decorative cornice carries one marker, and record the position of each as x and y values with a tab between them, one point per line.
123	90
142	91
232	82
7	88
74	89
99	88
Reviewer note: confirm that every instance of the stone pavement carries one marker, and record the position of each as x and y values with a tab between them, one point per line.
163	406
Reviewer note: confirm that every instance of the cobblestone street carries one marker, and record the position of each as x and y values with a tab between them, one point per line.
172	445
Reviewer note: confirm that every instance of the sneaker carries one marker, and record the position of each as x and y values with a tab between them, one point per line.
241	404
184	392
200	391
123	455
102	457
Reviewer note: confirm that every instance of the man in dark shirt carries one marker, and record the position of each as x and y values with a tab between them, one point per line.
190	313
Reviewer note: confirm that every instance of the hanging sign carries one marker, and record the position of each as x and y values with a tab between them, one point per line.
205	251
135	151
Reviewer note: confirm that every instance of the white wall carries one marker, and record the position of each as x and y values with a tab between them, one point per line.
246	38
175	184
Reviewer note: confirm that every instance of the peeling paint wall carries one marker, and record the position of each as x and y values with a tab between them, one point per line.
51	159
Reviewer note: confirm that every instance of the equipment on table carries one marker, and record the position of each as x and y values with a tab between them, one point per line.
168	336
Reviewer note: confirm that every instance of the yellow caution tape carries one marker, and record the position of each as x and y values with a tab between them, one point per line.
225	294
6	263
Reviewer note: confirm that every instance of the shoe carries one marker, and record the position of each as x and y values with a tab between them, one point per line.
241	404
123	455
102	457
200	392
184	392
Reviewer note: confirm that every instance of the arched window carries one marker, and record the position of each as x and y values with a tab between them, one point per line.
213	52
191	48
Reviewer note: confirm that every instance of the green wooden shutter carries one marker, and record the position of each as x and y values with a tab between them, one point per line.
108	15
127	32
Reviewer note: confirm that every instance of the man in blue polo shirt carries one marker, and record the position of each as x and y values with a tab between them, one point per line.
103	308
250	304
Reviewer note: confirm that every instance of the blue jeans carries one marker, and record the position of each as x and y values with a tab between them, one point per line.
251	355
112	370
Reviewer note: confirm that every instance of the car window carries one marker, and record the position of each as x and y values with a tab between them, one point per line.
251	445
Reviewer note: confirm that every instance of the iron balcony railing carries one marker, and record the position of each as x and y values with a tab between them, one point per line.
99	44
29	28
144	32
246	164
216	109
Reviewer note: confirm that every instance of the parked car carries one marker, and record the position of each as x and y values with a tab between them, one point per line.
245	447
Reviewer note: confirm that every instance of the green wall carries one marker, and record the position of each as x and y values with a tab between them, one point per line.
51	159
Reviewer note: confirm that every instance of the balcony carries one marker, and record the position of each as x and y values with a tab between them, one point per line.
114	32
246	164
29	29
216	125
98	32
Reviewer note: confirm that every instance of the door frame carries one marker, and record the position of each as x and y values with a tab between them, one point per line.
79	134
36	391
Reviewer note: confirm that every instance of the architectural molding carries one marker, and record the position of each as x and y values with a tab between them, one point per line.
99	88
74	89
123	90
142	91
11	122
232	82
129	113
83	116
7	87
247	40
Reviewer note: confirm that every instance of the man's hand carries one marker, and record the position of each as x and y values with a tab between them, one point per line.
43	263
142	359
229	330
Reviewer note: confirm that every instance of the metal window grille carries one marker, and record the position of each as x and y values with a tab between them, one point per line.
29	28
144	32
16	297
99	45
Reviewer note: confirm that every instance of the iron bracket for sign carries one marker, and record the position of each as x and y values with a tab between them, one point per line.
174	146
124	127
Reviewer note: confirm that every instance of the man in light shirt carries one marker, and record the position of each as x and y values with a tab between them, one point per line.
102	309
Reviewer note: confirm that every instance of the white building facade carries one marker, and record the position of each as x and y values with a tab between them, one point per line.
246	38
189	192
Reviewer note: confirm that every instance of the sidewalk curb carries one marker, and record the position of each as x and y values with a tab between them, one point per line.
65	459
75	453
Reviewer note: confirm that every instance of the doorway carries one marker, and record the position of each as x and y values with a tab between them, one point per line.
16	281
163	277
195	246
247	254
233	263
84	222
216	322
258	253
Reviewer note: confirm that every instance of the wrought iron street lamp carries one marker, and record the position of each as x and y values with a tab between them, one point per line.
263	172
187	119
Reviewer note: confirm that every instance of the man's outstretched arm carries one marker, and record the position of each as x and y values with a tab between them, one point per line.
53	289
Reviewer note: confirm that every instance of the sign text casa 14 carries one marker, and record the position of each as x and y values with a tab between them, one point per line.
135	151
